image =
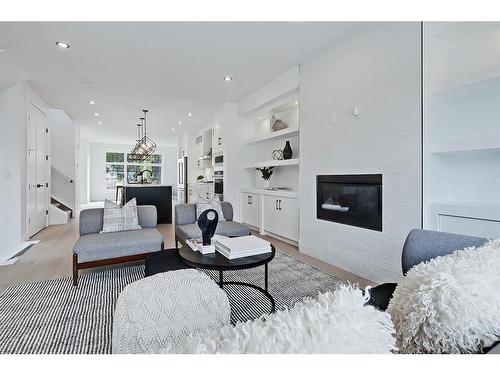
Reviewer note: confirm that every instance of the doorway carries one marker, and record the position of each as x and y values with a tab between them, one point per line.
37	170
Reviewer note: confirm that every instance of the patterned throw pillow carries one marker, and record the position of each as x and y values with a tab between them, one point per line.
118	219
203	205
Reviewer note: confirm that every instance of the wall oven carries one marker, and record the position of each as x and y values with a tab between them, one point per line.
218	160
219	183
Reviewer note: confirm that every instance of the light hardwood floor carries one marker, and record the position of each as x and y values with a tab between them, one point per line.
52	257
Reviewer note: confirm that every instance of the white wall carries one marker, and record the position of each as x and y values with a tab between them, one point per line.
84	171
376	67
63	141
97	168
12	148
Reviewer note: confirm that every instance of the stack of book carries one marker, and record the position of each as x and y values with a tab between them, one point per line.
240	247
196	244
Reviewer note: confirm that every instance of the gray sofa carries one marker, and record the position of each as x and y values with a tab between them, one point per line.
186	226
421	246
94	249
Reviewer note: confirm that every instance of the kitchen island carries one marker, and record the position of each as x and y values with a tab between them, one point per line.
158	195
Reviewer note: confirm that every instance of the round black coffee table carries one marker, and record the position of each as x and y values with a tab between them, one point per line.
219	262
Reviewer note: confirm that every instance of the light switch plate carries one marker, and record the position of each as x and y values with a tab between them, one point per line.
355	112
333	118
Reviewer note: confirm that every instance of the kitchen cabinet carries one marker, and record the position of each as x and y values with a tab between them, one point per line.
250	209
217	142
159	196
200	190
281	216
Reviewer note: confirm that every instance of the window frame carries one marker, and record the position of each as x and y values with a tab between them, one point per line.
126	164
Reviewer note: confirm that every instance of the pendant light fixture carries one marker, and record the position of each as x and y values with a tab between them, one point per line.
144	147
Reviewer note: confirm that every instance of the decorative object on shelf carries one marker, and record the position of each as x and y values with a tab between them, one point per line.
208	223
287	151
266	172
200	178
277	124
144	147
277	155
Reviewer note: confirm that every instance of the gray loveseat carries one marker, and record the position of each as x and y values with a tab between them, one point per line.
94	249
186	226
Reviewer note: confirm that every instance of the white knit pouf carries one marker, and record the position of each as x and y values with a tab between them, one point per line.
164	308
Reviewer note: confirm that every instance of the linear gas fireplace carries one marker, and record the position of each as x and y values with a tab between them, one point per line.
350	199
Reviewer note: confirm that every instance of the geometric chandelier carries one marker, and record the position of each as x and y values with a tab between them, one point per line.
144	147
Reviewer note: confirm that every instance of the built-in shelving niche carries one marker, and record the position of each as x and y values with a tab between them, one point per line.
258	150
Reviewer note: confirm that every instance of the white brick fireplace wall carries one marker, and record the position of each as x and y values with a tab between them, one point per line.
375	68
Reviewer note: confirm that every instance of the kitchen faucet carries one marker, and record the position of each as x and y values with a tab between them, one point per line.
141	174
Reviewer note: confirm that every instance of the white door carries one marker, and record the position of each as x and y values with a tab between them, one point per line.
250	209
37	171
281	216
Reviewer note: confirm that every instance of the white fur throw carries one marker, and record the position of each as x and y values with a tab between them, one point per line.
337	322
450	304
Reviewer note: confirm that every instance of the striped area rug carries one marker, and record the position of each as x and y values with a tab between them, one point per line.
54	317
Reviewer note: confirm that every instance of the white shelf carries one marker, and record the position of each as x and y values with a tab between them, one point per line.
467	149
274	163
279	193
288	132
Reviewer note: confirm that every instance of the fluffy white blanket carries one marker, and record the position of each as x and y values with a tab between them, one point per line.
450	304
337	322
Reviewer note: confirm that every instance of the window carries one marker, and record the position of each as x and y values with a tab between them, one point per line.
116	167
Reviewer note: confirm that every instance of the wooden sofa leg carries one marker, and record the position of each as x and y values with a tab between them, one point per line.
176	243
162	247
75	270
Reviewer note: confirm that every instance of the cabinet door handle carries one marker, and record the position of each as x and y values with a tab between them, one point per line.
251	202
276	204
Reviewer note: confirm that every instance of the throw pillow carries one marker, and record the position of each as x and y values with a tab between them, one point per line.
338	322
117	219
450	304
203	205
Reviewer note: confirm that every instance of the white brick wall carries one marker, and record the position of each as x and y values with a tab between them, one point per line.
377	68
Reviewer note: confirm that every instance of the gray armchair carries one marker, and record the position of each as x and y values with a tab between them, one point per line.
186	226
94	249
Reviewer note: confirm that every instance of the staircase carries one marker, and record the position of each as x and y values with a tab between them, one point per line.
59	213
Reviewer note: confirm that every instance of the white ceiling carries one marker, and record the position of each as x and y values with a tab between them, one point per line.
169	68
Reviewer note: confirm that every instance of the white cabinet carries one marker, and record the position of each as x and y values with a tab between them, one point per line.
281	216
250	209
202	191
217	135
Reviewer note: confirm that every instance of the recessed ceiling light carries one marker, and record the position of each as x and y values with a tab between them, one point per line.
96	114
100	122
91	102
228	78
173	129
180	123
62	44
296	102
190	114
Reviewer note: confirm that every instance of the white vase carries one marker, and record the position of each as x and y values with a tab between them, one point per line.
267	184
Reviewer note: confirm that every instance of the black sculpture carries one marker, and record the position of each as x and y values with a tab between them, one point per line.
208	223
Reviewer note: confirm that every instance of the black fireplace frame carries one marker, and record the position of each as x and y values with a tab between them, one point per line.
360	179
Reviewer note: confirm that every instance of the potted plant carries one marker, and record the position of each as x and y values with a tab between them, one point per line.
200	178
266	172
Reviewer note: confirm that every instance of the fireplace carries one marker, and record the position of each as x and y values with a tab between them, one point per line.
350	199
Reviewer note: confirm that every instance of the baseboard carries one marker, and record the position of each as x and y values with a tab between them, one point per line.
17	251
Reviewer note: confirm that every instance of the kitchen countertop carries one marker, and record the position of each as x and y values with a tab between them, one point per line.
278	193
147	185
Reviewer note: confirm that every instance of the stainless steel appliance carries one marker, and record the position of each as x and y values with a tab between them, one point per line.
182	171
219	183
218	160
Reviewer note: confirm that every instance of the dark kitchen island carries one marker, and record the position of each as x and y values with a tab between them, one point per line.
159	195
